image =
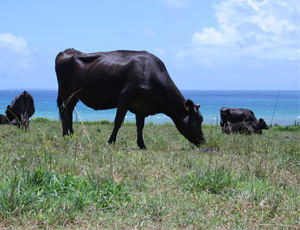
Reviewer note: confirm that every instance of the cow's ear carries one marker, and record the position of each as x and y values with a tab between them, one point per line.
197	106
188	105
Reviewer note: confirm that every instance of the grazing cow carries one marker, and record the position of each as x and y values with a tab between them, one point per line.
21	109
3	119
246	127
127	80
235	115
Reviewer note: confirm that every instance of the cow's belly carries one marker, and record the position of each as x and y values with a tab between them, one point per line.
145	107
99	105
99	99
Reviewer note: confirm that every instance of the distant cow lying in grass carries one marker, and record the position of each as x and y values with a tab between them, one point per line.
3	119
246	127
233	115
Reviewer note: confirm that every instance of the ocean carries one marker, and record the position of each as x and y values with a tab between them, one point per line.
263	103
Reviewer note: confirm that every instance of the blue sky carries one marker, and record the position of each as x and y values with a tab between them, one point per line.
206	45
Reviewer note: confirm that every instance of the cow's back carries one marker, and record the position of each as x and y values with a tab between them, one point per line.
236	115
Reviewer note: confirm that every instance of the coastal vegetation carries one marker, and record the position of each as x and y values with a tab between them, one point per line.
79	181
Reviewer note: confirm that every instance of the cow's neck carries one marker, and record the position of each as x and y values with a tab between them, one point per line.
176	110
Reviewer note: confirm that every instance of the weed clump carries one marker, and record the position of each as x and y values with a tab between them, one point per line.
46	194
213	181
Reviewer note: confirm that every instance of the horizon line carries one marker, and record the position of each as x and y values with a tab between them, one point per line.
179	89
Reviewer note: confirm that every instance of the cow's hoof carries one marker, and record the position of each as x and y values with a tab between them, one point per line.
111	142
143	147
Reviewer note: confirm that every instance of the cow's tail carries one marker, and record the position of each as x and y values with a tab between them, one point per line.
60	105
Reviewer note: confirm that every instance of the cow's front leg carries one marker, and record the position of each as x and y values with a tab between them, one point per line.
25	121
121	112
140	121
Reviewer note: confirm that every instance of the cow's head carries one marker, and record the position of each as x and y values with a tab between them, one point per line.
262	124
191	127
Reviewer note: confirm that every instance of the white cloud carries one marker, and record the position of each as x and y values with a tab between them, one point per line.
15	58
264	29
210	36
175	4
16	44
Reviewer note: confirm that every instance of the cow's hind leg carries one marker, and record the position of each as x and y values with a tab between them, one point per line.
121	112
67	116
140	121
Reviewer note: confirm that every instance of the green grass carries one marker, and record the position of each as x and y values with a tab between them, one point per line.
52	198
79	181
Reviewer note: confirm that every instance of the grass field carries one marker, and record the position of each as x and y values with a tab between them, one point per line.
47	181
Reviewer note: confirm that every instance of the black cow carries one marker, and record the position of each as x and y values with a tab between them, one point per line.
235	115
246	127
21	109
3	119
127	80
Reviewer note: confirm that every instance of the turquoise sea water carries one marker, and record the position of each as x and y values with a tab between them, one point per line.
262	103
